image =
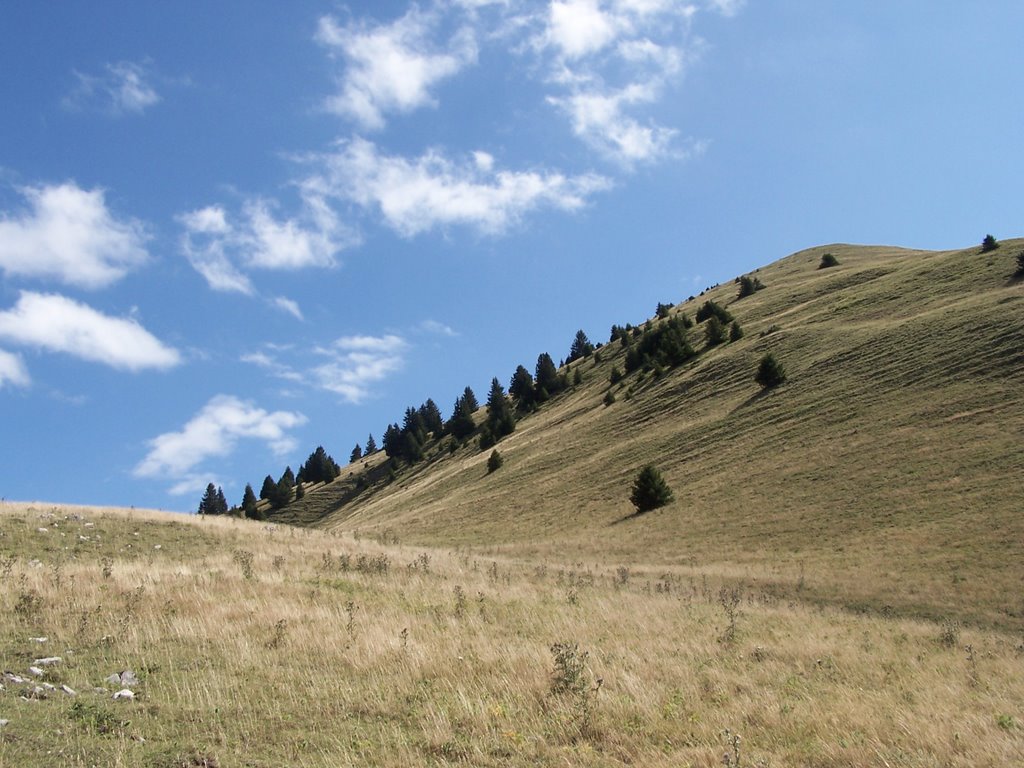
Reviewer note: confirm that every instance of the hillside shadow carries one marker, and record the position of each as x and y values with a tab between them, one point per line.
759	395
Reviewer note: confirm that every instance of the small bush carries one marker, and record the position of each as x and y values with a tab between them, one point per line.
714	332
989	244
650	490
609	398
616	375
770	372
1020	264
494	461
748	286
711	309
828	260
735	332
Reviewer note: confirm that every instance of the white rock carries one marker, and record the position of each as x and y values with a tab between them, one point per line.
43	530
37	671
3	723
82	538
114	679
39	639
157	546
48	660
50	686
89	525
16	679
68	690
34	563
124	694
128	678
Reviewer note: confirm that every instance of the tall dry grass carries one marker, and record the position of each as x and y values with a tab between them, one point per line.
268	646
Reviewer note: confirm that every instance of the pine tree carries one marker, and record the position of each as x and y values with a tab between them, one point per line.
989	243
222	503
748	286
500	420
249	502
650	490
430	416
208	504
735	332
521	388
267	491
319	468
461	424
356	455
770	372
288	478
1020	264
828	260
546	381
581	347
469	401
371	445
392	442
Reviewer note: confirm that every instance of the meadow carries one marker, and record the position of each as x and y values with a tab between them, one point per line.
254	644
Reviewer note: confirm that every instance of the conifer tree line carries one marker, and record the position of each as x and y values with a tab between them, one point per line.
656	345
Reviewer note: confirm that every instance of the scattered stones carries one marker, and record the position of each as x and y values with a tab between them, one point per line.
37	671
39	639
16	679
35	563
124	695
124	679
48	660
69	690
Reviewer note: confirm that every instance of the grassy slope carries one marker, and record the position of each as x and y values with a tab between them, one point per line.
885	474
261	646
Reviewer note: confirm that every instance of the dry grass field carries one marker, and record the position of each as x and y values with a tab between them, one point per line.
261	645
838	582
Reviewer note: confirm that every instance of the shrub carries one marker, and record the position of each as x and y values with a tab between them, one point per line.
609	398
711	309
735	332
748	286
714	332
494	461
1020	264
650	490
663	310
828	260
770	372
989	244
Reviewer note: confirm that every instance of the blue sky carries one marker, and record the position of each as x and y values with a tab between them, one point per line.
228	237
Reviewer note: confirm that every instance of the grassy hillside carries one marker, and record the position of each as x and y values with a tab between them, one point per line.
245	644
884	476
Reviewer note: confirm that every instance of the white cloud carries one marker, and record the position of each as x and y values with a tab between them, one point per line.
418	195
356	363
123	87
214	432
13	370
726	7
390	68
600	120
221	249
69	235
438	328
579	27
59	324
289	306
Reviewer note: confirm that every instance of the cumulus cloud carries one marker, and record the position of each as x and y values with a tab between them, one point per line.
356	363
212	433
123	87
391	68
612	60
68	234
221	248
13	370
58	324
415	196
